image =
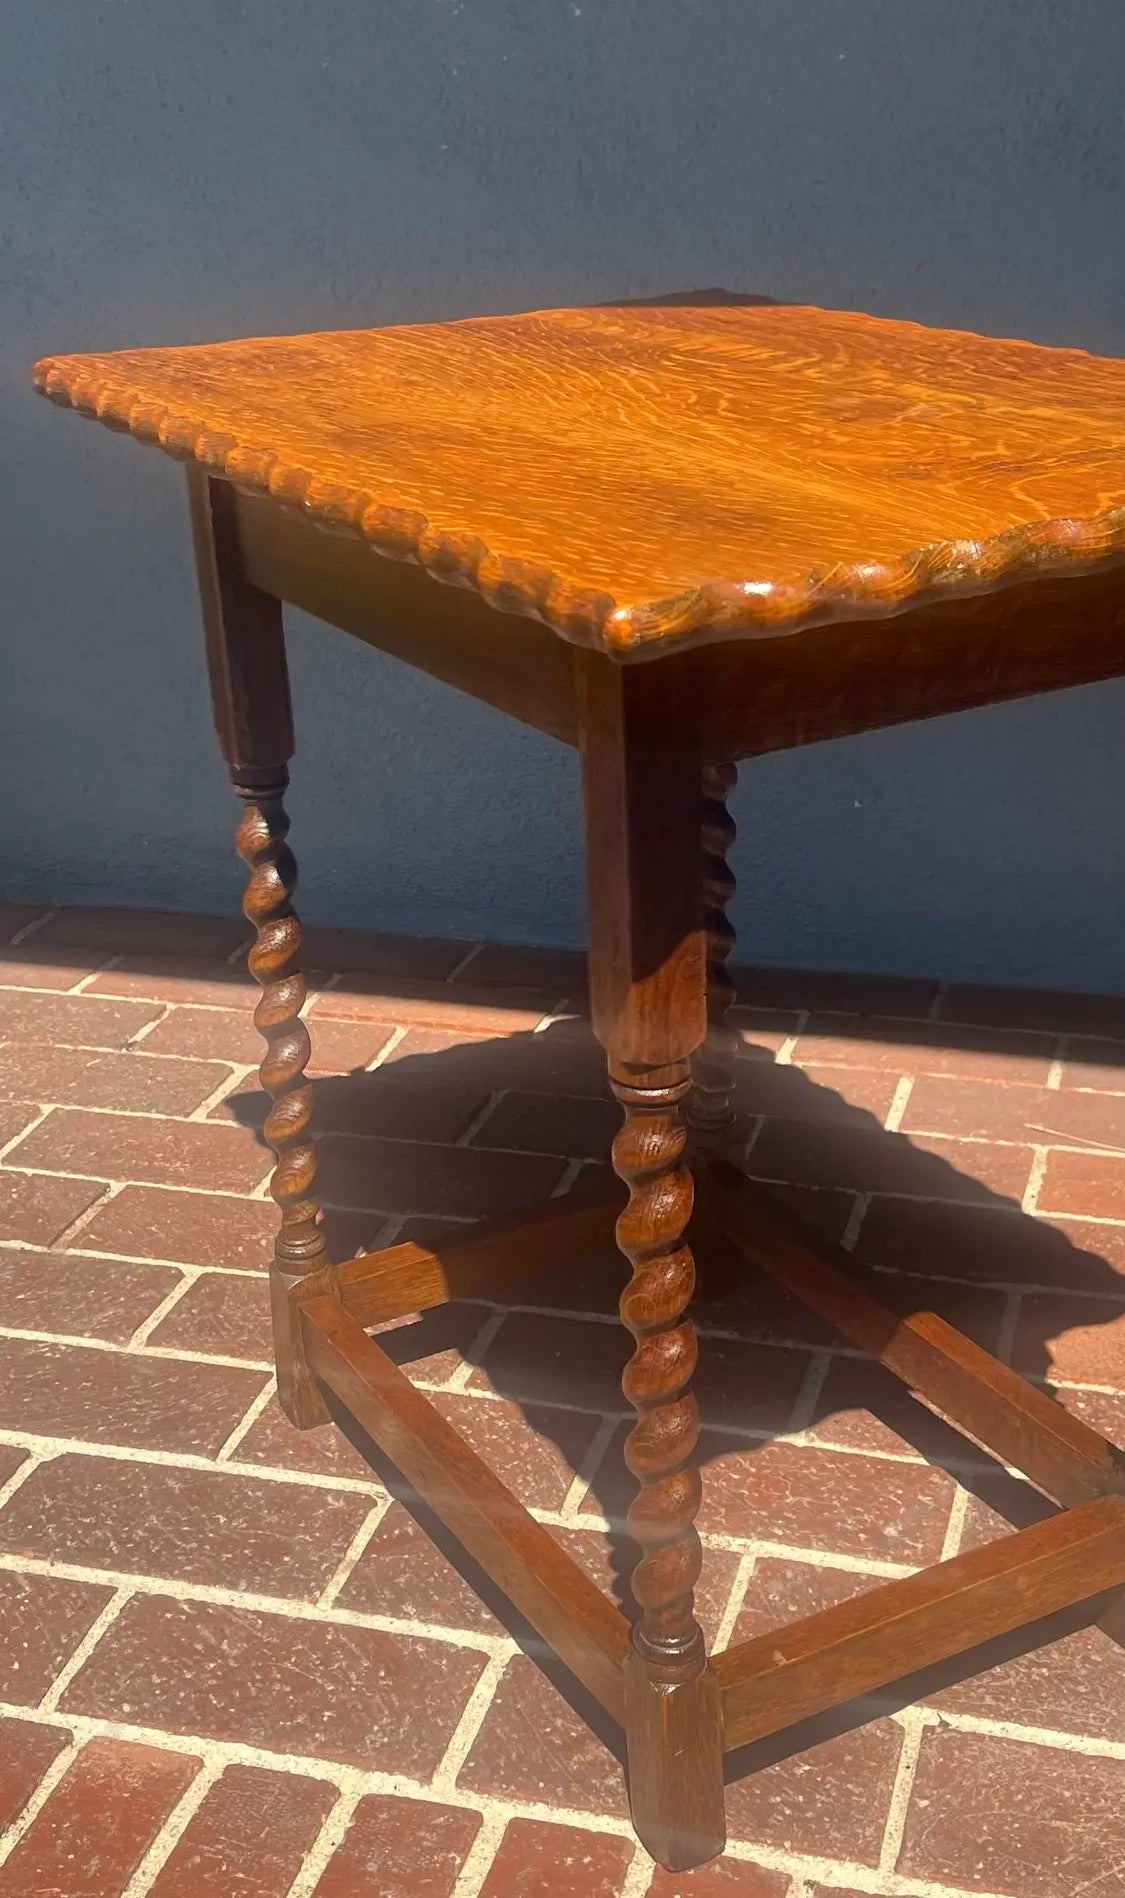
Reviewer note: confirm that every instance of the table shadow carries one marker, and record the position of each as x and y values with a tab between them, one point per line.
556	1075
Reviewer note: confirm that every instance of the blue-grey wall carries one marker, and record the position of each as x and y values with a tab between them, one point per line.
182	170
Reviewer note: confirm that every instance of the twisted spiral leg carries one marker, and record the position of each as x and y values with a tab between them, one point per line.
275	958
648	1154
711	1110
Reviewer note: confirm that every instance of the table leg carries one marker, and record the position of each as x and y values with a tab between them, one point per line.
250	698
711	1111
647	984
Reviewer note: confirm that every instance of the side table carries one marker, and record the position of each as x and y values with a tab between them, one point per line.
674	537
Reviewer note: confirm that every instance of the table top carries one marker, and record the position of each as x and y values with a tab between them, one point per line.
647	477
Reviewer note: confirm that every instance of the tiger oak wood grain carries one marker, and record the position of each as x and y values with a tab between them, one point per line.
639	478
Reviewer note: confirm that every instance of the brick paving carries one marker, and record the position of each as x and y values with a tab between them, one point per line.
233	1665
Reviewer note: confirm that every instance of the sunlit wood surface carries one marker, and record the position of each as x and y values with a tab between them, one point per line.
643	478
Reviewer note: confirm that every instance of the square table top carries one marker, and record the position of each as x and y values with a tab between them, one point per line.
646	477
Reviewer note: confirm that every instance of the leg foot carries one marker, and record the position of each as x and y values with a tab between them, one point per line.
675	1740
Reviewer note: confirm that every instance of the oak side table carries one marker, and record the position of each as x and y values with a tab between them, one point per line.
674	537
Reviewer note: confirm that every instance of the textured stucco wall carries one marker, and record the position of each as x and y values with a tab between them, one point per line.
180	170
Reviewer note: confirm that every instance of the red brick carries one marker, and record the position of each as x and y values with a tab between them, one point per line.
355	1695
1090	1183
248	1838
571	1360
99	1822
403	1573
831	1799
781	1592
608	1559
763	1032
722	1878
793	1493
539	1860
91	1298
992	1243
926	1048
26	1751
199	981
807	1154
405	1176
839	990
563	1059
1035	1008
855	1096
547	1123
416	1003
273	1443
209	1034
861	1406
978	1311
534	1449
1079	1339
349	1230
229	1034
43	1620
29	967
1095	1064
36	1209
399	1848
996	1110
139	1147
990	1814
533	1747
203	1526
751	1303
431	1346
14	1117
10	1461
15	917
77	1391
81	1077
389	1102
226	1314
78	1021
144	932
363	951
1104	1411
999	1503
1072	1684
192	1228
518	964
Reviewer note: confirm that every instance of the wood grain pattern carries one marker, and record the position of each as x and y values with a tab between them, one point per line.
406	1278
557	1597
640	478
887	1633
675	1734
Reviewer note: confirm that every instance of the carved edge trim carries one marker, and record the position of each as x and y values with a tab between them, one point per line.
716	610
